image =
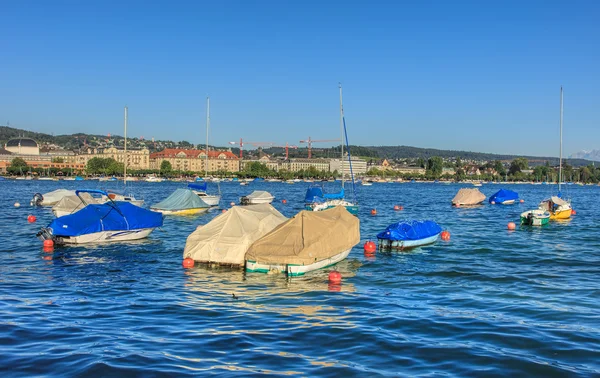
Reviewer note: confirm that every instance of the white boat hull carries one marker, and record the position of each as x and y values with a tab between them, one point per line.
210	200
295	270
108	236
399	245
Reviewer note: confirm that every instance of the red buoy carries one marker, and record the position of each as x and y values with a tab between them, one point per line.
188	262
373	212
370	247
284	201
396	207
224	211
521	201
445	235
335	277
573	212
493	202
457	205
31	218
48	243
511	225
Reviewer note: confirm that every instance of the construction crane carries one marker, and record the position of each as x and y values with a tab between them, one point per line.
310	142
255	144
287	147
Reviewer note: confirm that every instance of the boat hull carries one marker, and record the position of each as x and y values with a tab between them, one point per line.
352	209
103	236
561	214
292	270
401	245
256	201
536	219
208	199
182	212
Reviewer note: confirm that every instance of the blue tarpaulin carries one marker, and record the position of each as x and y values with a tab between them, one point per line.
181	199
315	194
110	216
198	186
411	230
504	195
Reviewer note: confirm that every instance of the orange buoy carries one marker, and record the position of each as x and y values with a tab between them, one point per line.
573	212
224	211
335	277
283	201
457	205
188	262
493	202
48	243
511	225
49	249
401	207
373	212
396	207
445	235
522	201
370	247
17	204
31	218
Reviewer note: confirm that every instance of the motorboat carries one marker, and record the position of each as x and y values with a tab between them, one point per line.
557	207
256	197
225	239
406	235
504	197
309	241
181	202
316	199
112	221
121	196
535	217
468	197
153	178
199	188
72	204
50	198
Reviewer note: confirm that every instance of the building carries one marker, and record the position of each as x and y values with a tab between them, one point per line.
359	166
295	165
137	158
195	160
22	146
271	164
411	170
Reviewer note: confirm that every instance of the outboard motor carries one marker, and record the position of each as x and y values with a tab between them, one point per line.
37	199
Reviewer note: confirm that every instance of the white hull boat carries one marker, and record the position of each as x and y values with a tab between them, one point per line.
210	200
407	244
295	270
108	236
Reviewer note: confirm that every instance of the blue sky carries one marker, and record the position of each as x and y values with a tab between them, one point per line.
470	75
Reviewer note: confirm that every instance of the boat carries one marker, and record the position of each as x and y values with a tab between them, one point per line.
367	183
468	197
535	217
243	183
50	198
406	235
256	197
477	184
504	197
97	223
153	178
72	204
181	202
116	195
309	241
316	199
226	238
559	208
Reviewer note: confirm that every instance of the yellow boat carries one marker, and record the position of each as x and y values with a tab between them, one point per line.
182	212
181	202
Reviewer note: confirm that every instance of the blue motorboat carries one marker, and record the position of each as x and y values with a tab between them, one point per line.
504	197
411	234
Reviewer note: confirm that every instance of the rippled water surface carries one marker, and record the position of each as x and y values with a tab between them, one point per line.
488	302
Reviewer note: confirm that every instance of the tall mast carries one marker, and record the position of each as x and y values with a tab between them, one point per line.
342	135
207	126
561	131
125	150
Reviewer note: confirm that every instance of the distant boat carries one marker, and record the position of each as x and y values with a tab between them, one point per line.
405	235
181	202
256	197
468	197
504	197
535	217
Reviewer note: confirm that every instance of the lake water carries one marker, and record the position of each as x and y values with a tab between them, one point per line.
489	302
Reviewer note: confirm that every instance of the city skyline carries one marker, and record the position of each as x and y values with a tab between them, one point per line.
470	77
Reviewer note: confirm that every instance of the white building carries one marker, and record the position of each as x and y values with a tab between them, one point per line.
359	166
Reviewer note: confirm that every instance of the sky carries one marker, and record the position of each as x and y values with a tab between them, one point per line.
463	75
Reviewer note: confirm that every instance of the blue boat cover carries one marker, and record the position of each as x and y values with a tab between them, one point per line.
109	216
315	194
200	187
411	230
181	199
504	195
258	179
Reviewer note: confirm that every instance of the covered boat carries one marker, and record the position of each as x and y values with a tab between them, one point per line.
316	199
72	204
256	197
181	202
558	208
226	238
311	240
535	217
468	197
200	189
411	234
504	197
107	222
50	198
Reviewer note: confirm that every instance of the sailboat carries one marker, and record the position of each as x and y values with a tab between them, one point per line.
316	199
200	188
121	196
558	207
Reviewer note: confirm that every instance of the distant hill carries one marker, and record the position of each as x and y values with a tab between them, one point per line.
79	140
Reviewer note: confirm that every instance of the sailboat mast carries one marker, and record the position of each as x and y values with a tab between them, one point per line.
125	150
342	135
561	132
207	126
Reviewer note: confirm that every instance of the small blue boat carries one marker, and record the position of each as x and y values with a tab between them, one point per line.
504	197
316	200
405	235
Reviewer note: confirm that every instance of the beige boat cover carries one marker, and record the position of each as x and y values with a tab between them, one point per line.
72	204
226	238
308	237
559	201
468	196
52	198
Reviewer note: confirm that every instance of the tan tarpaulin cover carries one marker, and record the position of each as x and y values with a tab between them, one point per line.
308	237
226	238
73	204
52	198
468	196
559	201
